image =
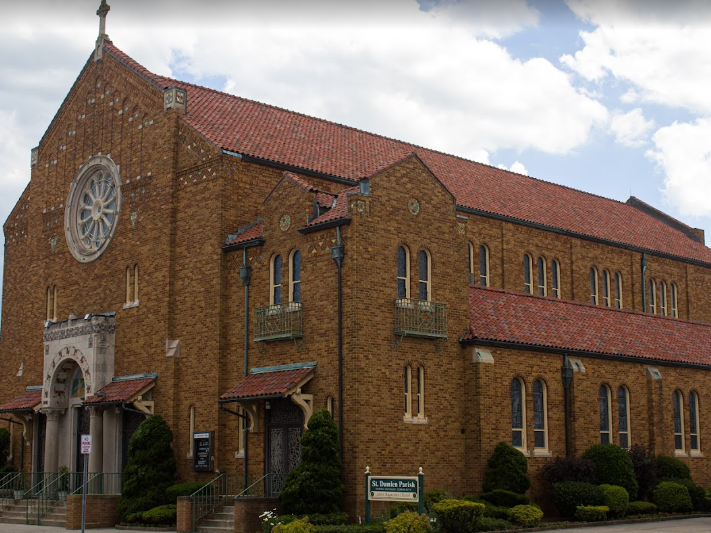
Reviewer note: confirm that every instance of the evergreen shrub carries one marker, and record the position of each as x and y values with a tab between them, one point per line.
591	513
402	507
645	469
504	498
672	468
493	524
332	519
568	469
435	496
315	485
4	446
182	489
408	522
613	466
507	469
526	515
164	515
569	495
638	507
150	469
616	498
377	527
297	526
496	511
459	516
671	497
696	493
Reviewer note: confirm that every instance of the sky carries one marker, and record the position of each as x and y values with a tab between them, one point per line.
607	96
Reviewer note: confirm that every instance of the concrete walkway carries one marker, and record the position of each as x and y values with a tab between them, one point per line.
14	528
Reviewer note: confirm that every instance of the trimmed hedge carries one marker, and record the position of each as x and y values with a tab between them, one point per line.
616	498
526	515
507	469
591	513
568	469
333	519
635	508
696	493
569	495
671	497
435	496
672	468
164	515
297	526
493	524
613	466
504	498
496	511
402	507
459	516
182	489
408	522
378	527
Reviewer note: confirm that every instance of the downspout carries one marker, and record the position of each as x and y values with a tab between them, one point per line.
245	272
566	372
644	283
337	255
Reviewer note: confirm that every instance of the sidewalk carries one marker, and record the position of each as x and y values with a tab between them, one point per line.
15	528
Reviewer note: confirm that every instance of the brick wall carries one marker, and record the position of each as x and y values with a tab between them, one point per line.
101	511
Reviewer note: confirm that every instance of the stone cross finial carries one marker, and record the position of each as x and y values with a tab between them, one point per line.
104	8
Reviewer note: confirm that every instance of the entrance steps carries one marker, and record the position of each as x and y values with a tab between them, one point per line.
17	513
222	521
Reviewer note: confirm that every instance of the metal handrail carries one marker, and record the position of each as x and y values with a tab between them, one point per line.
210	497
279	321
265	483
8	483
420	318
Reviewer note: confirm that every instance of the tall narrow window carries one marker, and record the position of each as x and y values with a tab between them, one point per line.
694	422
605	288
605	418
471	264
652	296
420	392
593	286
674	303
555	278
518	408
129	286
662	298
618	290
527	268
623	415
275	289
403	272
135	283
329	405
295	276
483	266
424	267
540	415
678	422
50	304
408	391
541	276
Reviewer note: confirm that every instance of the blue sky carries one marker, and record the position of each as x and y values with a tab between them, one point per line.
606	96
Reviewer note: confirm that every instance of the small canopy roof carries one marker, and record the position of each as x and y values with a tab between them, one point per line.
26	401
123	389
270	382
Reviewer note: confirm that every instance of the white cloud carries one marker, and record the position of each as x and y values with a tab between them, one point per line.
517	167
683	154
630	128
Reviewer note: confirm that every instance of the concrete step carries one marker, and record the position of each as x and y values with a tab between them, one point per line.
207	529
216	522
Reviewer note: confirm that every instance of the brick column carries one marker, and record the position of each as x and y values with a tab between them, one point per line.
185	514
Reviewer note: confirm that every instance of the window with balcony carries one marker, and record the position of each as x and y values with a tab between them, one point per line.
281	319
421	317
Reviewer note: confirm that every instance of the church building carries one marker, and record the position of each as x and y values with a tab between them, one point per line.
234	267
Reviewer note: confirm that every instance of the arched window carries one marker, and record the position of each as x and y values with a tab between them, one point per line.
618	290
678	421
540	415
471	264
652	296
329	405
295	276
605	418
518	410
593	286
420	392
527	268
52	303
275	285
662	298
541	276
484	266
408	391
623	415
135	283
424	268
403	272
131	286
555	278
605	288
694	422
674	303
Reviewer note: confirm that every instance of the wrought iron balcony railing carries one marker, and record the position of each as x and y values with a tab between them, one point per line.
420	318
280	321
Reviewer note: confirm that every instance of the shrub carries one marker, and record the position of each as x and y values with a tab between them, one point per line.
493	524
378	527
402	507
672	468
672	498
569	495
591	513
164	515
645	469
459	516
616	498
568	469
696	493
4	446
270	520
150	469
315	485
507	469
297	526
526	515
332	519
435	496
408	522
638	507
613	466
495	511
504	498
182	489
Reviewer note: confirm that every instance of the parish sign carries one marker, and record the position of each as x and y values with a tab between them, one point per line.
400	489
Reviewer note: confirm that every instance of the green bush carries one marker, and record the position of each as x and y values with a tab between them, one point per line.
504	498
315	485
459	516
402	507
408	522
435	496
672	468
671	497
591	513
493	524
378	527
496	511
507	469
696	493
150	469
182	489
332	519
526	515
645	469
613	466
164	515
297	526
569	495
4	446
271	520
638	507
616	498
568	469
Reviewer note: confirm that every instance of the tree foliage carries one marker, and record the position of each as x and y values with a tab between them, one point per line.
507	469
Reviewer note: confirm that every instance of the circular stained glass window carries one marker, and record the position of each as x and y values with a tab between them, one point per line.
93	208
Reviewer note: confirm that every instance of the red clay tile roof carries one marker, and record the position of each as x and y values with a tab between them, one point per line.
503	316
120	391
270	133
325	199
338	211
250	234
301	182
269	384
25	401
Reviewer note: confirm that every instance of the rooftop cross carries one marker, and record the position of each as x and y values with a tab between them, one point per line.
102	11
